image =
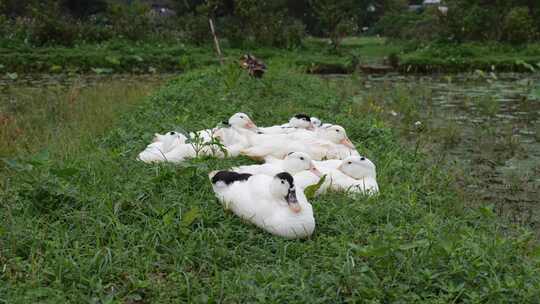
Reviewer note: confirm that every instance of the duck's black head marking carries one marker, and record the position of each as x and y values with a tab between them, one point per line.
229	177
302	117
286	176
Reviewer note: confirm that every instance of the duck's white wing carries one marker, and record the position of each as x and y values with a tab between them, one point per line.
338	151
249	199
152	153
282	129
343	182
317	148
180	153
272	145
328	164
266	169
366	185
302	134
305	179
203	135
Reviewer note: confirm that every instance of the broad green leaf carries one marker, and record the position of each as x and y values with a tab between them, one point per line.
40	158
310	191
487	211
535	94
112	60
168	218
191	216
415	244
100	71
56	68
12	76
371	251
16	166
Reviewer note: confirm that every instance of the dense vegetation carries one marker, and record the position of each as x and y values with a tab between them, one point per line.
113	36
277	23
99	226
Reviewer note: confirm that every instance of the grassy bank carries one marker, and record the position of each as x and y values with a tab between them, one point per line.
494	57
60	118
315	56
100	227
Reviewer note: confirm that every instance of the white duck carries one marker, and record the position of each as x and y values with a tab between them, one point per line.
330	143
235	137
297	122
226	132
162	143
315	121
232	137
294	162
269	202
353	174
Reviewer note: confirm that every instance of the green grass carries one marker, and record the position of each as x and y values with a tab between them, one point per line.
315	56
60	118
472	56
100	227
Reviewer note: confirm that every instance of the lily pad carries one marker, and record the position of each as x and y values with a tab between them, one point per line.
12	76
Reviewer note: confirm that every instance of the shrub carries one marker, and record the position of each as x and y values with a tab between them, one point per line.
230	27
195	29
49	26
95	29
277	31
129	21
519	26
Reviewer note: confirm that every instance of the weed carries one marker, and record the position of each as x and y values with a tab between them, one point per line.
59	118
488	105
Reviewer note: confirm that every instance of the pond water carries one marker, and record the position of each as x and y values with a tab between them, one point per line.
67	80
490	134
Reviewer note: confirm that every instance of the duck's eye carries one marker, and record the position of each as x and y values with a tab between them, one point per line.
171	133
301	158
337	131
362	158
282	182
350	163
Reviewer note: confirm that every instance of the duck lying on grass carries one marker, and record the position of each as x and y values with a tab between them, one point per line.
161	145
293	163
219	142
354	174
325	143
297	122
269	202
268	195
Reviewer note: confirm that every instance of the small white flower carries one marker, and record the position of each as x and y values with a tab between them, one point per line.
393	113
418	123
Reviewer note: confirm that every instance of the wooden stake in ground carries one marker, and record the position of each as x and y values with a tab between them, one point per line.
216	41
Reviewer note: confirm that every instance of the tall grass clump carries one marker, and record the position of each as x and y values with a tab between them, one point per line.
101	227
59	118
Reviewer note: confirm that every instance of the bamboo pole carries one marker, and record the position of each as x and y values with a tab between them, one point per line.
216	41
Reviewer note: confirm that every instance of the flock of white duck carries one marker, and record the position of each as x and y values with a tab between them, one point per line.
296	155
